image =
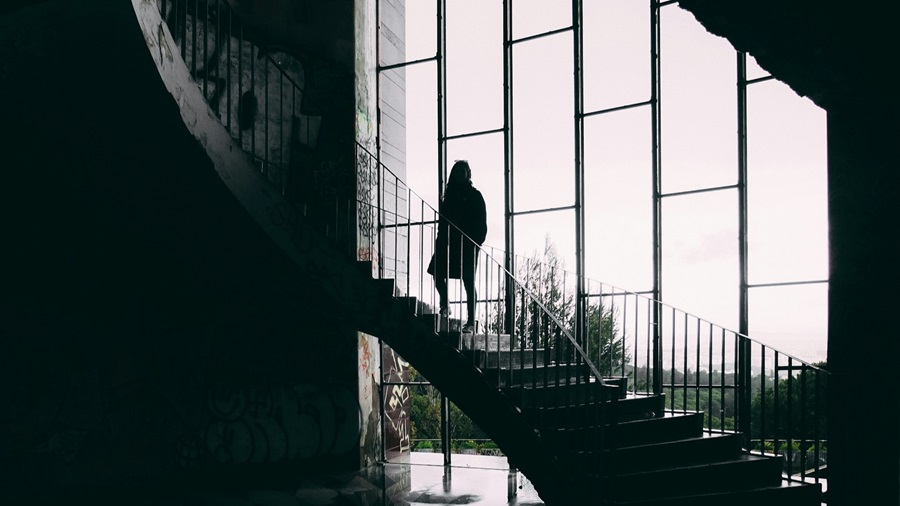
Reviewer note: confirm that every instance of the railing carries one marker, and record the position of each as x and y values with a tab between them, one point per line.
519	343
256	94
259	99
776	401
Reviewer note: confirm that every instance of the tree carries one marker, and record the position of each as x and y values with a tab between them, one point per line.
795	409
605	343
545	308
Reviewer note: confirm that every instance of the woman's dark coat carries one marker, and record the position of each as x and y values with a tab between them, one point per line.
463	210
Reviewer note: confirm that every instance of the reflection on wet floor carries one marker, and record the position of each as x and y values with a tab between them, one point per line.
421	480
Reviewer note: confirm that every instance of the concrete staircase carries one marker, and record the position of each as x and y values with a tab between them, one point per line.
626	444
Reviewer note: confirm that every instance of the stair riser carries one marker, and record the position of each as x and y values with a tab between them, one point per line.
633	408
708	449
565	376
656	430
650	431
507	360
583	393
489	342
794	495
642	458
722	477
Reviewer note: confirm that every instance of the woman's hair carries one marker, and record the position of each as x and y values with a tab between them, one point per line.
460	176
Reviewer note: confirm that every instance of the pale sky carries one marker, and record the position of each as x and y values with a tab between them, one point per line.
786	156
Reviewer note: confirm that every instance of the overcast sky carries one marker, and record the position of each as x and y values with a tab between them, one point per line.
786	137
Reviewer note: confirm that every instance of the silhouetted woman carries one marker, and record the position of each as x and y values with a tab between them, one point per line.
462	228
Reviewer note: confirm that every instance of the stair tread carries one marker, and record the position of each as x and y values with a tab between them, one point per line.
737	497
741	458
705	437
628	398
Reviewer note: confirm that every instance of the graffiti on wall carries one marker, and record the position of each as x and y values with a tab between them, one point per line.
278	423
396	402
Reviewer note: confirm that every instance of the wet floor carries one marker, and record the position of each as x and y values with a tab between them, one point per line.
421	480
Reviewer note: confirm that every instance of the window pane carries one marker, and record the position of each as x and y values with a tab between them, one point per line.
407	35
543	128
534	231
474	66
485	156
791	319
618	199
532	17
616	53
421	131
787	186
698	105
393	95
700	256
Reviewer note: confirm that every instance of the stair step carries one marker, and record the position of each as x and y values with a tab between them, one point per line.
490	342
415	305
633	407
704	449
554	374
505	359
618	381
784	494
743	472
567	395
448	327
385	287
671	427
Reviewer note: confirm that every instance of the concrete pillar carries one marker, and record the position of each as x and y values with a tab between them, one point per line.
863	331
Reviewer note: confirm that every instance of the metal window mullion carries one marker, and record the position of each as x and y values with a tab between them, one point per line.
744	357
578	99
508	181
441	20
656	178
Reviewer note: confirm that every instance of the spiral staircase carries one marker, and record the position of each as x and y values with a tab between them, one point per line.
580	437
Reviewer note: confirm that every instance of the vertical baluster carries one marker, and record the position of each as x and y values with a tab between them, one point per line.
697	374
672	371
789	437
253	125
265	119
735	383
650	333
281	172
228	63
194	39
775	408
240	93
624	333
803	405
684	373
709	379
722	386
205	48
218	43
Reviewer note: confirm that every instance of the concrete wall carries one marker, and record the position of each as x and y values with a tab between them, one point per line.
153	331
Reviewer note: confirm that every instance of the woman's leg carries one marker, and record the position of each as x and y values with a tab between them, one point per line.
471	297
440	284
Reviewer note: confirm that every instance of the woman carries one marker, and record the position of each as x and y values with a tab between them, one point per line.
462	228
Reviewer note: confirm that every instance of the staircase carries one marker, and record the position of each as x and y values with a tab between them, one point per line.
623	444
579	437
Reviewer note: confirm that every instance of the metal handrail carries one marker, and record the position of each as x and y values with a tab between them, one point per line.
519	284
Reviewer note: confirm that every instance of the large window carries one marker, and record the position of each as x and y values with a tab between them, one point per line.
730	160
